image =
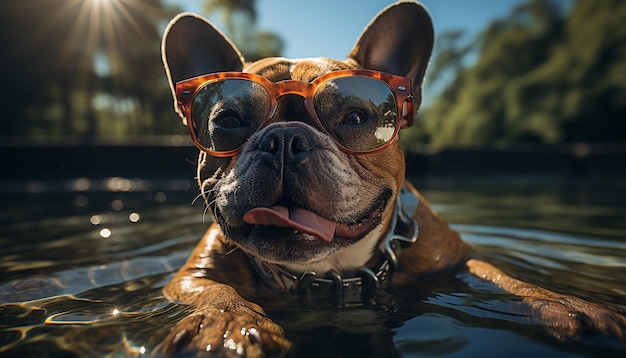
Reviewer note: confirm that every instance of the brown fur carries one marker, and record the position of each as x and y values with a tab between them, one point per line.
219	281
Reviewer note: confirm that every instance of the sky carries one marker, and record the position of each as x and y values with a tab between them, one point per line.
329	28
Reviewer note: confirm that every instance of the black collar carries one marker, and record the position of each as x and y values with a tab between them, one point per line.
362	287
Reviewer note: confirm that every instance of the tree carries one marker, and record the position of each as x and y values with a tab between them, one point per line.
230	9
239	19
83	68
542	75
581	88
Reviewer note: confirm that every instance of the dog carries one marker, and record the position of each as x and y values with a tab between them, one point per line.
301	168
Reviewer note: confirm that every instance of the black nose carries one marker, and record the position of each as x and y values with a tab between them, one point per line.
286	145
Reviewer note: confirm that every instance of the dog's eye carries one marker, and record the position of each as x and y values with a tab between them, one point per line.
353	118
229	120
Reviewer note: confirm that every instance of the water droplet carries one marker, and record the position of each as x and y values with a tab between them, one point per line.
134	217
81	184
117	205
96	219
105	233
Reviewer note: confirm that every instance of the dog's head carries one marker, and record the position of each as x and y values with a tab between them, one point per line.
297	173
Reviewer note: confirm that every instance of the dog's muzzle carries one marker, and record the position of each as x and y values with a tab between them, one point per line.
364	286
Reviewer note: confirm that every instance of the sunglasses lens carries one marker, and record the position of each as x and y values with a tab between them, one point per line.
226	112
359	112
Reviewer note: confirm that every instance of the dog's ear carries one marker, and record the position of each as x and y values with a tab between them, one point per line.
192	46
398	41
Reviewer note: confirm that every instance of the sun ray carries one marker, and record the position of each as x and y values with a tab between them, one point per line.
97	57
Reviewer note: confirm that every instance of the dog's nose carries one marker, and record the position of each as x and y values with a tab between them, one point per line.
286	145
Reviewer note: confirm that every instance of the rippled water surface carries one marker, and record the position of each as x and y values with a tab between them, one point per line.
83	262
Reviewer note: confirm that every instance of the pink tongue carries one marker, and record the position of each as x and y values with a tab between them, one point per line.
296	218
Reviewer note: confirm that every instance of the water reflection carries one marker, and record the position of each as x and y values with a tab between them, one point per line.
122	184
97	219
80	184
105	233
35	186
134	217
117	205
160	197
81	200
64	289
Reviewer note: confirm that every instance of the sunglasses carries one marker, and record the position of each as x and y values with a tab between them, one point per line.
361	110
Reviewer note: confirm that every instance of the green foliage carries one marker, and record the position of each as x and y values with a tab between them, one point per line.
542	75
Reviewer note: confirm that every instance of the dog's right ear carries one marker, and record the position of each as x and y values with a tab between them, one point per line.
192	46
399	41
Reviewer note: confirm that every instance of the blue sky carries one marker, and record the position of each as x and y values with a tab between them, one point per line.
329	28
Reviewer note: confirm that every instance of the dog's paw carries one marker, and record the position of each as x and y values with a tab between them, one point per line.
226	334
571	317
564	316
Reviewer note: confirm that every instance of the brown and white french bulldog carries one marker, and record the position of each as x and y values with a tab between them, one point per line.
305	179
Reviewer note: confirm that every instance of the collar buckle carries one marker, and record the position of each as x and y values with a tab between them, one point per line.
402	222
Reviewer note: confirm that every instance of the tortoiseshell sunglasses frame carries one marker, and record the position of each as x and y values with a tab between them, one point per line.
186	91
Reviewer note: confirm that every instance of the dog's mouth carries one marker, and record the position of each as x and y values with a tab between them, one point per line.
287	233
308	222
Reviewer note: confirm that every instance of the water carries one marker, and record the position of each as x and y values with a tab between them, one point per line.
83	262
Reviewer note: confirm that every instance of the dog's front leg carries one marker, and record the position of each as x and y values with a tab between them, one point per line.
222	323
564	316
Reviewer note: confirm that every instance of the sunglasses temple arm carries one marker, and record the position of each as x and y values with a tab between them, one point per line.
406	119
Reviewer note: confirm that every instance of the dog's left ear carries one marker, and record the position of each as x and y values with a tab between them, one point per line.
398	41
192	46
